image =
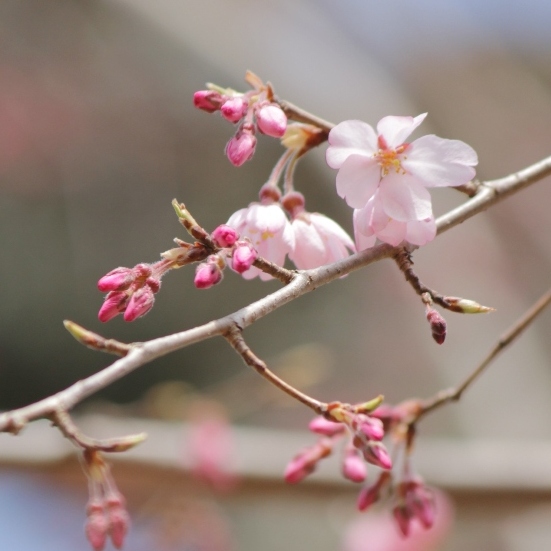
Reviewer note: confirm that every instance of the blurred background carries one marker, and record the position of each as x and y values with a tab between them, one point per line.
98	134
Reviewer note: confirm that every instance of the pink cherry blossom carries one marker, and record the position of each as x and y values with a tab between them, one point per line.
381	167
267	227
318	241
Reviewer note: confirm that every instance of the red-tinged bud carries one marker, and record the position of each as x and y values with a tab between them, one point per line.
420	502
373	428
437	325
321	425
118	279
353	466
243	256
271	120
234	109
371	494
402	516
96	526
306	461
114	303
225	236
118	519
240	148
207	274
376	454
208	100
139	304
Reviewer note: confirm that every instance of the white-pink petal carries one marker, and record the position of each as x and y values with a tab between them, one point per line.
438	162
421	232
404	198
395	130
350	138
358	179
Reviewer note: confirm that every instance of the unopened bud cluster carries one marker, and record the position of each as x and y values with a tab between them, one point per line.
253	111
365	434
106	512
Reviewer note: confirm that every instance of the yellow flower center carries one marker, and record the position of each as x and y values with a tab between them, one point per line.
389	159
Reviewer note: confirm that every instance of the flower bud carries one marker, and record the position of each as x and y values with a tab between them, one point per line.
271	120
402	516
118	279
243	256
118	519
371	494
207	274
437	325
114	303
465	306
353	466
306	461
372	427
240	148
139	304
376	454
234	109
96	526
321	425
225	236
207	100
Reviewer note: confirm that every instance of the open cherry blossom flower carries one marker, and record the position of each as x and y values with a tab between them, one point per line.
372	222
268	229
382	167
318	239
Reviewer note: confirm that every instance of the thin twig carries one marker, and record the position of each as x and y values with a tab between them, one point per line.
236	340
454	394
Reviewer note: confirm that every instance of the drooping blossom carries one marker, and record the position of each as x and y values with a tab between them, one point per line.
385	178
268	229
318	239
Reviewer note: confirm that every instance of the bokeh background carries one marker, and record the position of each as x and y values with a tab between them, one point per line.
98	134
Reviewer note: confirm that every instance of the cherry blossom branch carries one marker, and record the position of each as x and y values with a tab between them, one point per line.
236	340
454	394
139	354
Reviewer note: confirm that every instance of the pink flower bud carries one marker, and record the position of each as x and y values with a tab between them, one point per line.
420	502
373	428
376	454
139	304
271	120
207	100
96	526
402	516
153	283
234	109
353	466
371	494
207	274
118	519
243	256
321	425
437	325
240	148
306	461
225	236
114	303
118	279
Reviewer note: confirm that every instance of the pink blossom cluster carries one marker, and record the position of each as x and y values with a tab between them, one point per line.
310	239
106	509
384	178
252	111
